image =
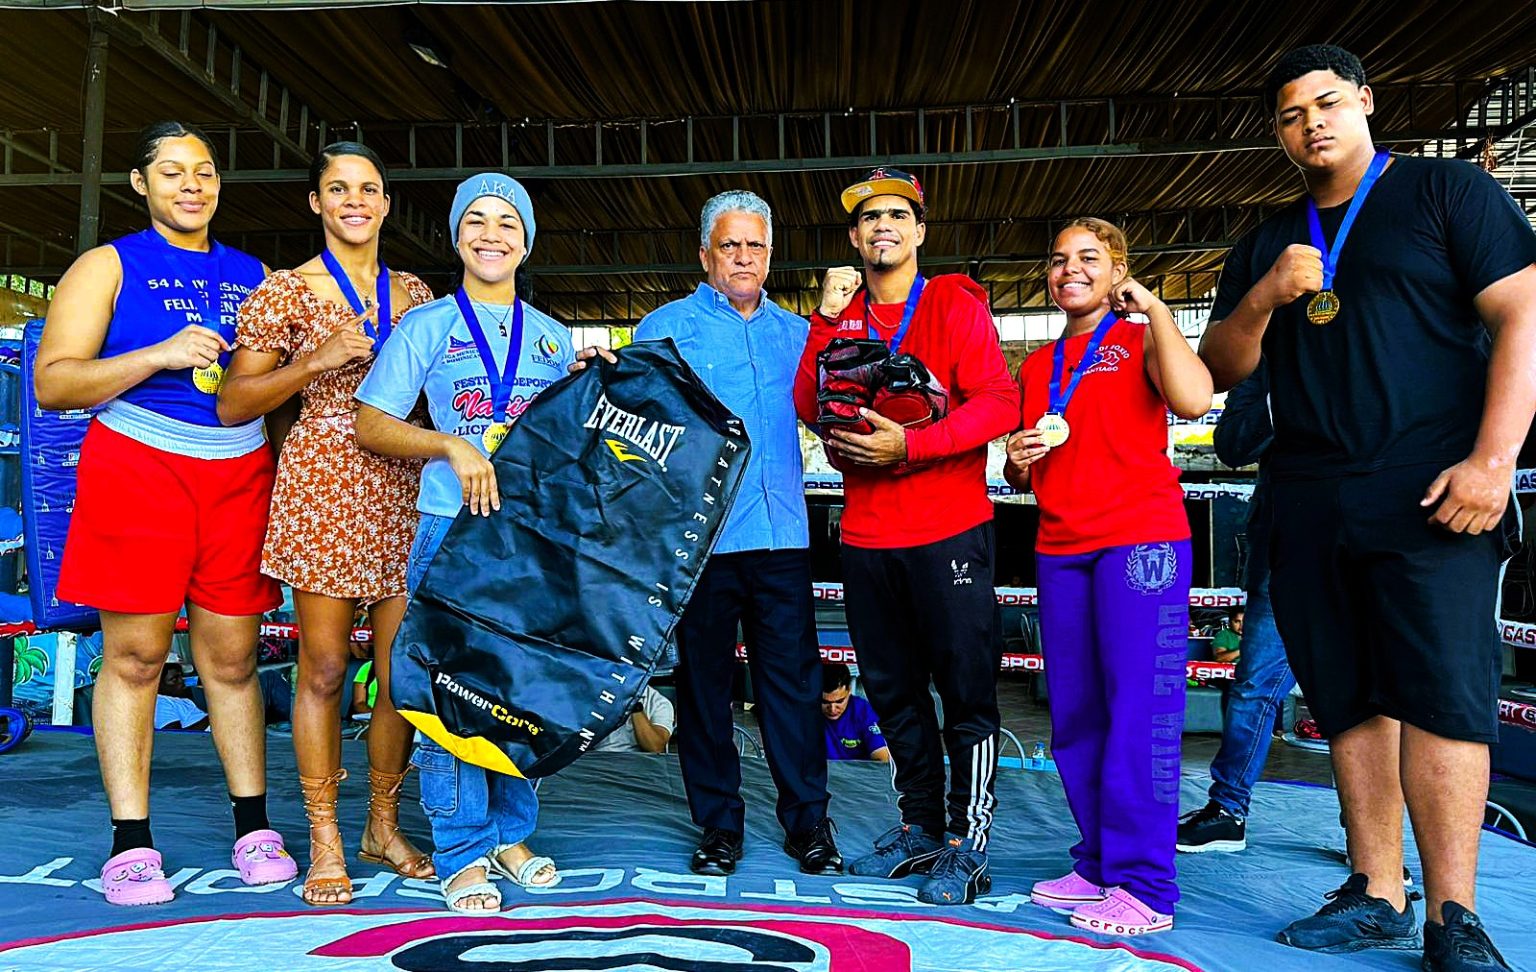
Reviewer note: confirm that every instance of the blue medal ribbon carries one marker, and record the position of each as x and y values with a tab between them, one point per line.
1315	225
381	293
907	314
1059	398
501	390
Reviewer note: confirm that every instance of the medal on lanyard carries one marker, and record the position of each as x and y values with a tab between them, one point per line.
1324	307
210	379
907	313
381	293
501	388
1053	424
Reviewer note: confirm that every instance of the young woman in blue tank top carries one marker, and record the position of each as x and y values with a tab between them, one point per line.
171	505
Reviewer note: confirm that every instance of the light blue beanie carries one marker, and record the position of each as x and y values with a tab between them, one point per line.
492	184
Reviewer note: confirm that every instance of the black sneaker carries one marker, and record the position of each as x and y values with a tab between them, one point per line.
1459	945
958	874
1211	828
815	849
718	852
1353	920
900	851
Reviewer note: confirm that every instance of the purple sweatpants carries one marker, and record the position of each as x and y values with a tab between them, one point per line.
1114	627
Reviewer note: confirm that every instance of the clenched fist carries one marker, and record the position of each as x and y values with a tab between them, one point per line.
1130	297
837	290
194	346
1298	270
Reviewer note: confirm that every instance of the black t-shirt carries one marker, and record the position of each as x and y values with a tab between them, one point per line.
1397	378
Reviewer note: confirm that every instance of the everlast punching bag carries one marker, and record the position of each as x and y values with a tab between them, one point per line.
536	628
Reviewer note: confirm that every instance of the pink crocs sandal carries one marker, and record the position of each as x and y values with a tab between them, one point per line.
261	858
1121	913
1067	893
135	877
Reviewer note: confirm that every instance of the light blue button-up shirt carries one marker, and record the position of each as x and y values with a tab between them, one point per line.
750	364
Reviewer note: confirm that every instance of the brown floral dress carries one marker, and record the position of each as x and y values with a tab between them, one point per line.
342	518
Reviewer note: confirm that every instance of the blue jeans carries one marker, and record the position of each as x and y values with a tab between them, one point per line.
1263	680
472	810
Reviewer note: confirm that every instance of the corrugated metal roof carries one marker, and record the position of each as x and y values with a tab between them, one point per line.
991	78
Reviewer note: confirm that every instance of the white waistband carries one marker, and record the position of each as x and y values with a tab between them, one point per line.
182	438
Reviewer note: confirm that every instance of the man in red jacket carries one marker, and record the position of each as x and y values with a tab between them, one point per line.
917	535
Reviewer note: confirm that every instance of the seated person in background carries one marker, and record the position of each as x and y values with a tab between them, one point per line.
1226	645
174	708
648	729
365	689
852	729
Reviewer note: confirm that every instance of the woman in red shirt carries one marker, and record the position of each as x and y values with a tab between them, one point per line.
1114	558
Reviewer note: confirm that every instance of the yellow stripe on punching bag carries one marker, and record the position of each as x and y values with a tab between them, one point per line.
476	750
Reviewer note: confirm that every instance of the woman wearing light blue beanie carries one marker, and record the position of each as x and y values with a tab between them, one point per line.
481	355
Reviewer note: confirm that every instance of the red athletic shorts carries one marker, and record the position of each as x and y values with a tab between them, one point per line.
153	530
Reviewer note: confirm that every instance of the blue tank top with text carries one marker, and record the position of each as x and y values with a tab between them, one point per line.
164	289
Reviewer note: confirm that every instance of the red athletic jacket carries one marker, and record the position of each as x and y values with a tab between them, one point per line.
943	491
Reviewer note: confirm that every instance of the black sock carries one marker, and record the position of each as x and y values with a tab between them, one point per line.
250	814
130	835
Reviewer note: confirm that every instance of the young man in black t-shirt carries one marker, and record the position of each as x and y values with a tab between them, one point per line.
1401	391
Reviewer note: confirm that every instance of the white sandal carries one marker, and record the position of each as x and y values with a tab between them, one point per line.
525	872
484	888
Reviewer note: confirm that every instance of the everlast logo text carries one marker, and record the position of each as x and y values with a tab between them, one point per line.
653	437
497	711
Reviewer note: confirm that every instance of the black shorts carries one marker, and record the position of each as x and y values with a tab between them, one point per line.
1382	613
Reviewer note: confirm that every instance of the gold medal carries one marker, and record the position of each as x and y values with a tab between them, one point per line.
494	434
1324	307
1054	429
208	380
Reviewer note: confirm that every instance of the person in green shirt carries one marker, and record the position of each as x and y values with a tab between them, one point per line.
365	689
1226	643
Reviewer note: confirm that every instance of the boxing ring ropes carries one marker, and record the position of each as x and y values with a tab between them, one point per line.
1516	634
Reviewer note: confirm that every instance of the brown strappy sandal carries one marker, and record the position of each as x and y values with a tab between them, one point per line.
320	805
384	809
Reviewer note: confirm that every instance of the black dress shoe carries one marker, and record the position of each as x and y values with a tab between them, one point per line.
718	852
815	849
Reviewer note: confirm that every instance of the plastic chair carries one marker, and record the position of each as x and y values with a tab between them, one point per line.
1009	737
1500	815
745	741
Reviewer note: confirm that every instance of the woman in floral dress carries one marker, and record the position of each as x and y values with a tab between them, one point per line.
342	519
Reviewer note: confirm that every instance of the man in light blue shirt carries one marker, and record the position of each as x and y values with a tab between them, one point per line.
746	349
